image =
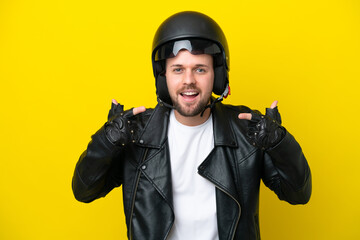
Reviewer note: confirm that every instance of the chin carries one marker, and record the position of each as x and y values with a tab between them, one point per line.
191	111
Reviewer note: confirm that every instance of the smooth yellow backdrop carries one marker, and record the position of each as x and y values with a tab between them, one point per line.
61	63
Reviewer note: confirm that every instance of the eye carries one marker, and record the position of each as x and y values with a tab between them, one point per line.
200	70
177	70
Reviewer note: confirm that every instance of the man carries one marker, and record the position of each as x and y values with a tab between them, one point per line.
191	167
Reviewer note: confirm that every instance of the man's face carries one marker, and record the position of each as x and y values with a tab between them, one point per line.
190	80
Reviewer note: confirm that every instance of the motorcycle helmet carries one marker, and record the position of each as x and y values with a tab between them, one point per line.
197	33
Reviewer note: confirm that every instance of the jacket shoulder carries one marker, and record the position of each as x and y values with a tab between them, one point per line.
236	109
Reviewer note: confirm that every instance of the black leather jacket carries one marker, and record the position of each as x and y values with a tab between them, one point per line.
234	166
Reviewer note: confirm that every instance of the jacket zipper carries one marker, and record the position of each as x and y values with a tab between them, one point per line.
238	218
135	190
221	189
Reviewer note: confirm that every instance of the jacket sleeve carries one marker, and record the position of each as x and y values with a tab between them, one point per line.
98	170
286	171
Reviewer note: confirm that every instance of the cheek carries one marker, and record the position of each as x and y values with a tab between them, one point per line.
208	83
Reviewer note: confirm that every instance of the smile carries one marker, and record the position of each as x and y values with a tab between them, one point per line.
189	96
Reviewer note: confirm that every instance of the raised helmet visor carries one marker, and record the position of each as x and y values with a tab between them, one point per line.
194	46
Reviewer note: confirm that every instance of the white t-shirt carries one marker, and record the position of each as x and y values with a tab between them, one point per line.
193	196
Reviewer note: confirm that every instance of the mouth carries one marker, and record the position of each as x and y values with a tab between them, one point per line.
189	95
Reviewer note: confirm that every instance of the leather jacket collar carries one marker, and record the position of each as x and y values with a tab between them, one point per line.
154	133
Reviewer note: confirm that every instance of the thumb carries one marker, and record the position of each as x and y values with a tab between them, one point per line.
114	102
273	112
274	104
138	110
247	116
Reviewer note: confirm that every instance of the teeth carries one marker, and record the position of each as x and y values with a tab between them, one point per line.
189	93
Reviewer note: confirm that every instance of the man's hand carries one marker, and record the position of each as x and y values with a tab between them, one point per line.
136	110
119	126
264	131
248	116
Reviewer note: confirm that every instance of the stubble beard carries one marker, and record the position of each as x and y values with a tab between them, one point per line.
191	110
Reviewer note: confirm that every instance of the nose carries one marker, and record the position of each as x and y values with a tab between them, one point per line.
189	77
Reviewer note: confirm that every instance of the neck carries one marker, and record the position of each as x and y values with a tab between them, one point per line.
194	120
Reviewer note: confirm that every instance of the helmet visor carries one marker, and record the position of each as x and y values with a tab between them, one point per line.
194	46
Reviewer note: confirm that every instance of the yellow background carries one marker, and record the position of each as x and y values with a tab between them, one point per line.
61	63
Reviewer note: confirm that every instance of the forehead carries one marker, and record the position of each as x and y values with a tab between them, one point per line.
184	57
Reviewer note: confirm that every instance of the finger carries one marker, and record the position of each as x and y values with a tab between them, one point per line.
273	112
273	105
138	110
115	108
246	116
114	102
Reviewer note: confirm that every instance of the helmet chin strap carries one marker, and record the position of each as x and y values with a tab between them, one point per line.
161	102
219	99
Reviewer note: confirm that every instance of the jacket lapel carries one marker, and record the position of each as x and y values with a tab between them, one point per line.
156	166
154	133
218	167
223	133
157	170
